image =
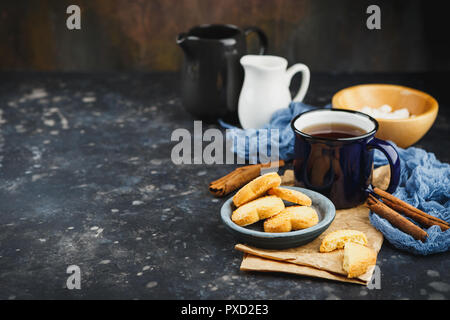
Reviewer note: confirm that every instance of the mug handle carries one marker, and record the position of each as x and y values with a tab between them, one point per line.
261	36
299	67
394	161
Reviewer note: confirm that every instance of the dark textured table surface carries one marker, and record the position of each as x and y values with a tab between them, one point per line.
86	179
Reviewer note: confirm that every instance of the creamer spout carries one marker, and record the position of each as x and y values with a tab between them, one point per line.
181	40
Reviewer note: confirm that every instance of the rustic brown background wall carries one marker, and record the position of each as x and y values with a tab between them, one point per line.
128	35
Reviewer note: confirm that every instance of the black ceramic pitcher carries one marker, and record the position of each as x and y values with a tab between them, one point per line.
212	76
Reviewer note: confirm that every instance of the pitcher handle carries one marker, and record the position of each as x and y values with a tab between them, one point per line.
261	36
299	67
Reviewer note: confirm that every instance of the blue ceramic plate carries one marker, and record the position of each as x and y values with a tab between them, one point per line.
254	234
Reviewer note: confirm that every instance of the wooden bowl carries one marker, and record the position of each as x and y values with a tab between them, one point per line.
404	132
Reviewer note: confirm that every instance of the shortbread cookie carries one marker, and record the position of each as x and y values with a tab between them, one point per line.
256	188
357	258
337	239
291	195
256	210
292	218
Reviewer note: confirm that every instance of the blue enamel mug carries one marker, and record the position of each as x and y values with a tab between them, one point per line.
340	168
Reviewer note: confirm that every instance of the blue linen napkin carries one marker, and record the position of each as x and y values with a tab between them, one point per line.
424	180
425	184
280	120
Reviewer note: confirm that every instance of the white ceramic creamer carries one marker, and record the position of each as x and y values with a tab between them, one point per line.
266	88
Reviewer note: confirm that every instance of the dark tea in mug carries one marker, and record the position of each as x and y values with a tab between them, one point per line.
334	130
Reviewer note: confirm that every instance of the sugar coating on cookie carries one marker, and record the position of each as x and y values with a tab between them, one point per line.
256	188
357	259
290	195
292	218
256	210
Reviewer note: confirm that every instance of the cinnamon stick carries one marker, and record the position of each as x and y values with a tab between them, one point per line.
410	211
238	177
416	217
396	219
